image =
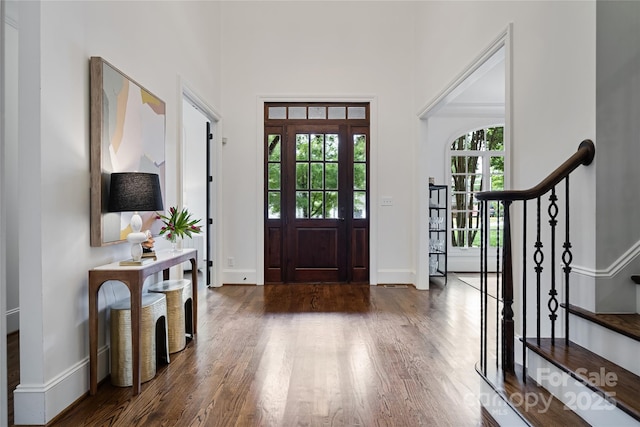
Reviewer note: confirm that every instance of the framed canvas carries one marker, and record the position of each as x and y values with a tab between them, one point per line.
128	125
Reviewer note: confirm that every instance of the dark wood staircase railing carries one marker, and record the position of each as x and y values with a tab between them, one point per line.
504	332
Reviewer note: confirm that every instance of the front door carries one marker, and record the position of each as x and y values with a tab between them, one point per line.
316	225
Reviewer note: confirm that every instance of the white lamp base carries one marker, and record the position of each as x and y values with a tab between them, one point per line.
136	237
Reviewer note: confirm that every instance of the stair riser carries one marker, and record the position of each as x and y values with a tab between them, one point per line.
621	350
504	414
591	406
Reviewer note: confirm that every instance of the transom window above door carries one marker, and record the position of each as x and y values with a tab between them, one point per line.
317	112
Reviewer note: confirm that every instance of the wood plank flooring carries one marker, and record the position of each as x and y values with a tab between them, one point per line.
312	355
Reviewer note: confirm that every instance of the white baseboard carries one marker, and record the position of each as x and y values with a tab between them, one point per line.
235	277
13	320
232	276
38	404
396	276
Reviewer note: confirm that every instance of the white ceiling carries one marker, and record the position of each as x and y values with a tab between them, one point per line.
483	91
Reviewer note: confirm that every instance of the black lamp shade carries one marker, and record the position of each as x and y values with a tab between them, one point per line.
135	192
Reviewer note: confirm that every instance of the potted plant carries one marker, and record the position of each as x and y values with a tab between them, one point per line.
178	224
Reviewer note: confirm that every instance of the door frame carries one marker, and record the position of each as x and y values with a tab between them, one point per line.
215	208
373	173
489	55
4	397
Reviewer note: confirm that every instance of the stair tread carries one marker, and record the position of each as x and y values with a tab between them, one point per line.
626	324
594	371
531	401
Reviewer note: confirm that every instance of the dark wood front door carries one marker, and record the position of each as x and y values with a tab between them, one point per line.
315	229
316	226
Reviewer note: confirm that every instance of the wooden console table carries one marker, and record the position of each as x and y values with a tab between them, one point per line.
133	277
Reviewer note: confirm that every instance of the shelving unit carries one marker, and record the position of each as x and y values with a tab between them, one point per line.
438	230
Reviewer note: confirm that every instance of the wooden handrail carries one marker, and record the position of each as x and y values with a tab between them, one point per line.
584	156
505	286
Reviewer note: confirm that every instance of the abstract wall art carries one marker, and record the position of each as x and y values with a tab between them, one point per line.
127	135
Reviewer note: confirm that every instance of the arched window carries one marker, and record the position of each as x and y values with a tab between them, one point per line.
477	164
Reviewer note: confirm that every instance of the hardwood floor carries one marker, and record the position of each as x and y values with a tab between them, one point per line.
312	355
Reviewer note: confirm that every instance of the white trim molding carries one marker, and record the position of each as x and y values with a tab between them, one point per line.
38	404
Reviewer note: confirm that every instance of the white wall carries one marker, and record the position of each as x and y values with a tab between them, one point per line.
153	43
618	151
3	231
310	50
10	161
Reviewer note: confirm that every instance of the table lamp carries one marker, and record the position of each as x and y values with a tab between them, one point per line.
135	192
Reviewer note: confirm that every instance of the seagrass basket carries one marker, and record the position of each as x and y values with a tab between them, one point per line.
178	294
154	308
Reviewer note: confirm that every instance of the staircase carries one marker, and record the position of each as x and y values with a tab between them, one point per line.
568	367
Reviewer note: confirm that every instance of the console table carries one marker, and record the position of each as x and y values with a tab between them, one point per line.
133	277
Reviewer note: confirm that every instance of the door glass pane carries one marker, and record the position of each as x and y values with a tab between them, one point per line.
274	148
317	205
297	112
458	164
302	146
331	176
331	147
357	113
359	148
331	204
360	176
302	204
337	113
317	176
317	147
274	176
317	112
302	176
476	182
359	204
274	204
277	112
497	172
474	164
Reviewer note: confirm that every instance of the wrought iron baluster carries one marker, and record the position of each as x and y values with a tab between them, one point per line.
508	331
483	356
538	258
553	293
524	290
497	284
567	257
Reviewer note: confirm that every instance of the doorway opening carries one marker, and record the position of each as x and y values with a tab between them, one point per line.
316	174
479	98
200	181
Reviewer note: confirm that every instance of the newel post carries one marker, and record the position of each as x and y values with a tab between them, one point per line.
508	331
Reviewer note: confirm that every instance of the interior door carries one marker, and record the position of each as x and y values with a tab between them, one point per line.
315	230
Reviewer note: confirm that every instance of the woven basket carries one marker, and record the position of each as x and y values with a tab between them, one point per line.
177	292
154	307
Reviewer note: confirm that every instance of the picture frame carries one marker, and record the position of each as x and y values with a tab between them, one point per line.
127	134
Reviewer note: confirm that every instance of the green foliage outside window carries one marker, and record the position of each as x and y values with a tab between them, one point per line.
477	164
